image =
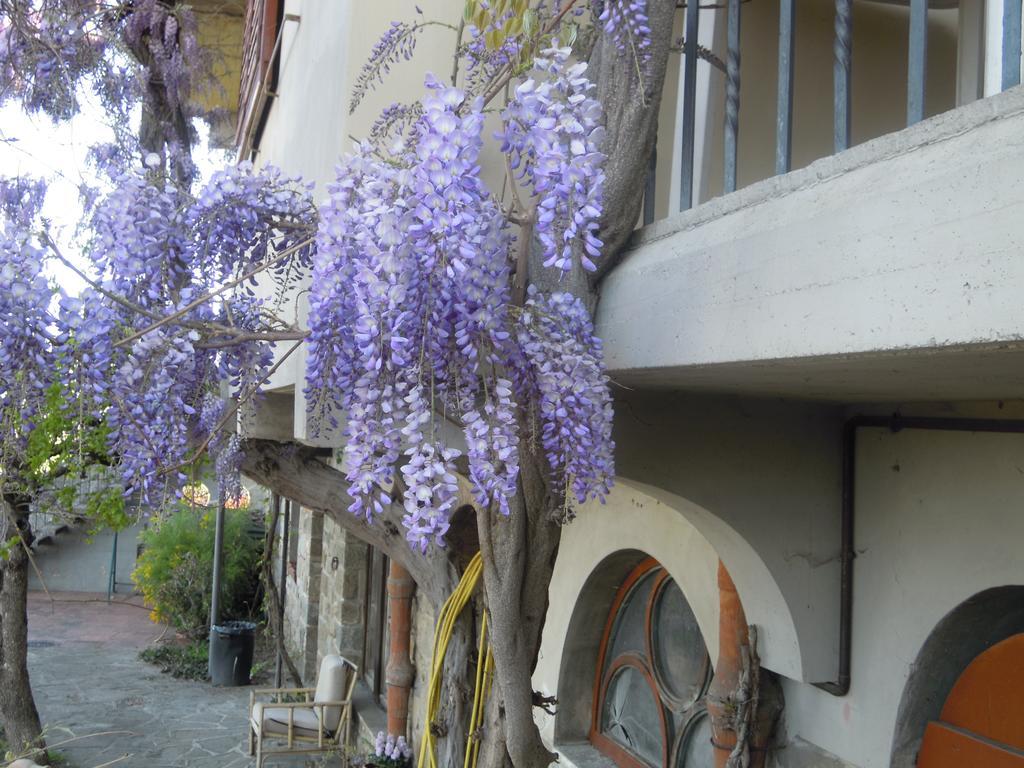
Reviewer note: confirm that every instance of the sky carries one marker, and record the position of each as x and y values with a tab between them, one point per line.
33	145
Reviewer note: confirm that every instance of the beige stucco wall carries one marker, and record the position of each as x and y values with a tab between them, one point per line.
879	82
937	521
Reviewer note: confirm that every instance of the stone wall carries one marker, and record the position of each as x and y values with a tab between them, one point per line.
324	614
301	614
341	593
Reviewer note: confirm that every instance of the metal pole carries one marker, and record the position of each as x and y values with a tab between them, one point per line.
918	61
112	581
841	74
282	581
732	94
1011	43
218	556
689	104
784	112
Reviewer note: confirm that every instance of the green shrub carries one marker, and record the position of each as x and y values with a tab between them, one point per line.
175	570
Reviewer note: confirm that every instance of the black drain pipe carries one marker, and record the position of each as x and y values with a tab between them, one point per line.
841	685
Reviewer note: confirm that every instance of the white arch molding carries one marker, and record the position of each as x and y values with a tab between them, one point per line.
688	541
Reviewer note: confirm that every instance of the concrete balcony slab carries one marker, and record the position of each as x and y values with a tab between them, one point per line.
891	271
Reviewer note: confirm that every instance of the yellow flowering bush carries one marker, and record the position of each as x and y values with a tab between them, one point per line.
175	570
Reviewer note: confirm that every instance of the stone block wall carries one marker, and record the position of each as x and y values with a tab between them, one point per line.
342	586
303	581
324	614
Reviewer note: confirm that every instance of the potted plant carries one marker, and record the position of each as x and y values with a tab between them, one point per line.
389	751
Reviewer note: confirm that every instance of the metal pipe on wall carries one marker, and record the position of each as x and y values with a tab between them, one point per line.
399	672
841	685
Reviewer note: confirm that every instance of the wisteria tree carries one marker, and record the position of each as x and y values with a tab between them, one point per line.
138	54
450	342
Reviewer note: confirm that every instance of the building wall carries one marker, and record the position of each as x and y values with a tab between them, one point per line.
79	562
301	605
342	585
937	521
754	482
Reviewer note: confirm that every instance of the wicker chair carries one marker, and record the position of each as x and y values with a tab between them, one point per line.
307	720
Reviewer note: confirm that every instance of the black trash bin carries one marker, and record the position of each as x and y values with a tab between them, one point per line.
231	648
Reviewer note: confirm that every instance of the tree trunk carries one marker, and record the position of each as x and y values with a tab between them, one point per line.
519	552
20	717
519	556
164	127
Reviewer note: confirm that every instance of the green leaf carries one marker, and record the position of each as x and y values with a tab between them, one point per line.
530	22
567	34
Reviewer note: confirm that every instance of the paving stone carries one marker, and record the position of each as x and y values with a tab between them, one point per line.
90	685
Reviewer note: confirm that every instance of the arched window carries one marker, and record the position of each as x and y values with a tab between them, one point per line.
653	673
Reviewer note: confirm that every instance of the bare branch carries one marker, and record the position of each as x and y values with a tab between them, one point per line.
234	407
285	254
49	243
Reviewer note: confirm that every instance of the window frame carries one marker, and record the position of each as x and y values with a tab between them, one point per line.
690	713
376	624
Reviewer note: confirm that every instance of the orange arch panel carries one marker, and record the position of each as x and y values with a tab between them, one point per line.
988	698
982	721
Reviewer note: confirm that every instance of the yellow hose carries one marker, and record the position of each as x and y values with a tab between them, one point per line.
450	612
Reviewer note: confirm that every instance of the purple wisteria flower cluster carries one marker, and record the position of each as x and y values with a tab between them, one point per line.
164	35
225	447
567	375
409	316
553	134
390	751
627	24
153	334
411	319
239	211
49	49
153	337
398	43
414	334
43	59
26	335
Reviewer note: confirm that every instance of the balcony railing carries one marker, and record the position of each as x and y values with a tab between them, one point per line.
917	58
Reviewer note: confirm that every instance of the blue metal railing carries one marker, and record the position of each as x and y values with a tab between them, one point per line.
842	87
784	109
689	102
1011	43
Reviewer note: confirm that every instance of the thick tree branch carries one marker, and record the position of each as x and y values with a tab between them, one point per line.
632	128
300	474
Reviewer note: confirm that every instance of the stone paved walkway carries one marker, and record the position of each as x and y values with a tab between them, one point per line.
87	678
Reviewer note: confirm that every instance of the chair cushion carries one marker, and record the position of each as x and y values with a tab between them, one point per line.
274	720
332	685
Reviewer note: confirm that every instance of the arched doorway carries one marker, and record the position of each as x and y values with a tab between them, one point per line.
653	671
964	636
982	721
